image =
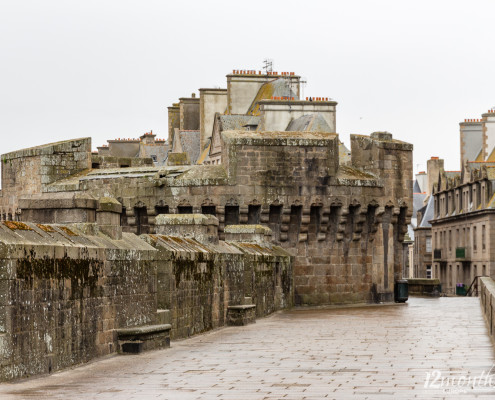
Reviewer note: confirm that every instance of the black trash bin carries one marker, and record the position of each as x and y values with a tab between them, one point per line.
401	291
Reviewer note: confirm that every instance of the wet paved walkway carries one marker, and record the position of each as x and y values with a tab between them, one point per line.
359	353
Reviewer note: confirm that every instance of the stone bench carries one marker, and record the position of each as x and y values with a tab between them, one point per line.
241	315
142	338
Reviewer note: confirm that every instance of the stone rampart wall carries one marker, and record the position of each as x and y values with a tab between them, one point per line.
487	301
31	171
198	282
66	289
62	294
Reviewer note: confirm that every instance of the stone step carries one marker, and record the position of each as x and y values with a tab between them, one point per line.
136	339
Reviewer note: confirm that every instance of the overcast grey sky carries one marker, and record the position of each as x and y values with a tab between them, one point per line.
109	68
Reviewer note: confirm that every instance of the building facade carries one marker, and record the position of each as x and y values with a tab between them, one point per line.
463	228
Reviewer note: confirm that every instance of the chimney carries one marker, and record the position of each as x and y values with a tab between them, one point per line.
433	167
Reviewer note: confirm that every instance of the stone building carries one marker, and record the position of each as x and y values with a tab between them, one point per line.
344	221
462	211
122	153
463	226
105	257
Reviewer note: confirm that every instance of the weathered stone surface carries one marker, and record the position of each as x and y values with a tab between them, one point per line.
344	224
241	315
65	294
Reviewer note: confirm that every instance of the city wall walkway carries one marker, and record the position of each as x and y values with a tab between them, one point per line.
381	352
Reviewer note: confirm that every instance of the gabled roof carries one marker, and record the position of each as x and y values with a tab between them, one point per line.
205	152
237	122
159	151
416	188
418	202
278	87
491	157
452	174
428	214
309	123
190	143
479	157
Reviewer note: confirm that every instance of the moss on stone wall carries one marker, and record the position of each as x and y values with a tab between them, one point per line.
82	273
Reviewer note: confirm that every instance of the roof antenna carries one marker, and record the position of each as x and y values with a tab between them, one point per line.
268	65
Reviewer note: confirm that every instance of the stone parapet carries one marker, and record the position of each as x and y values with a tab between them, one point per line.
59	208
424	287
248	233
203	228
487	301
64	292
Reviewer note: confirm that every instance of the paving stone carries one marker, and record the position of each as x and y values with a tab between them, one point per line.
363	352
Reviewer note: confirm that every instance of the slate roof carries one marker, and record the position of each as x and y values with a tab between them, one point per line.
278	87
428	214
416	188
237	121
160	151
418	202
452	174
309	123
190	142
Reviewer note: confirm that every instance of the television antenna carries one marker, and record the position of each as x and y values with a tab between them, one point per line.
268	65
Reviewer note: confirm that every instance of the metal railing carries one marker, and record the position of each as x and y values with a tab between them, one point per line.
474	287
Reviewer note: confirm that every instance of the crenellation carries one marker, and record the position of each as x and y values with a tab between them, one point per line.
273	214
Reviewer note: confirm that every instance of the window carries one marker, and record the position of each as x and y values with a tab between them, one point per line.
428	272
450	240
474	239
153	157
428	244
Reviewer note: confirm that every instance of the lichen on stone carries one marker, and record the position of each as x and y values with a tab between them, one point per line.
67	231
15	225
46	228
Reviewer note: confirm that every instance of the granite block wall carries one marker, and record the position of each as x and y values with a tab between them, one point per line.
63	292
